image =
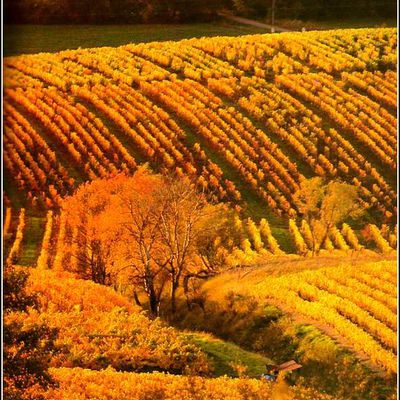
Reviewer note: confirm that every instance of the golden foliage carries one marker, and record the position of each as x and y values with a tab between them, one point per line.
98	328
345	299
83	384
16	246
141	88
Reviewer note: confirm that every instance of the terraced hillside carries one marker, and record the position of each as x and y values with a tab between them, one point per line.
245	118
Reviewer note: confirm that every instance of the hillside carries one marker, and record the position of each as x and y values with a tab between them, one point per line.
355	304
108	348
185	262
334	315
50	241
246	118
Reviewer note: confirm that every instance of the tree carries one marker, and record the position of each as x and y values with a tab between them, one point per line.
186	218
121	11
148	231
97	235
167	227
26	348
137	211
325	205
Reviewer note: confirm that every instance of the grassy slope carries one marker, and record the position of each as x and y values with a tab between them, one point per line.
338	23
21	39
292	264
32	241
328	363
45	35
223	355
29	39
10	188
238	281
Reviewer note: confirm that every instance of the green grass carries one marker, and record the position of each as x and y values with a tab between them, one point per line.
338	23
30	39
356	23
284	239
223	354
328	364
16	196
32	241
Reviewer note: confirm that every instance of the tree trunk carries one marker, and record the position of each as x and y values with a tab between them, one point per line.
316	248
186	291
154	303
174	286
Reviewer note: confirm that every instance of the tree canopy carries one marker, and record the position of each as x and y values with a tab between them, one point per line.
175	11
106	11
316	9
325	205
150	232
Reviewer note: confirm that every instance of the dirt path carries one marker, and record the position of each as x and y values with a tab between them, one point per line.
251	22
282	265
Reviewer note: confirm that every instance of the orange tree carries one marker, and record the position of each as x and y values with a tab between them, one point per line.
149	231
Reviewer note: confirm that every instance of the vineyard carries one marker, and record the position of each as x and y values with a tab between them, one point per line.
54	245
356	304
108	384
247	119
127	274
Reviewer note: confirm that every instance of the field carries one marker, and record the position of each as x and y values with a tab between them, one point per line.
247	120
357	23
31	39
204	118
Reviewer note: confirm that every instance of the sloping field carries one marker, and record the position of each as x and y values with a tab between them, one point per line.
106	344
356	304
245	118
